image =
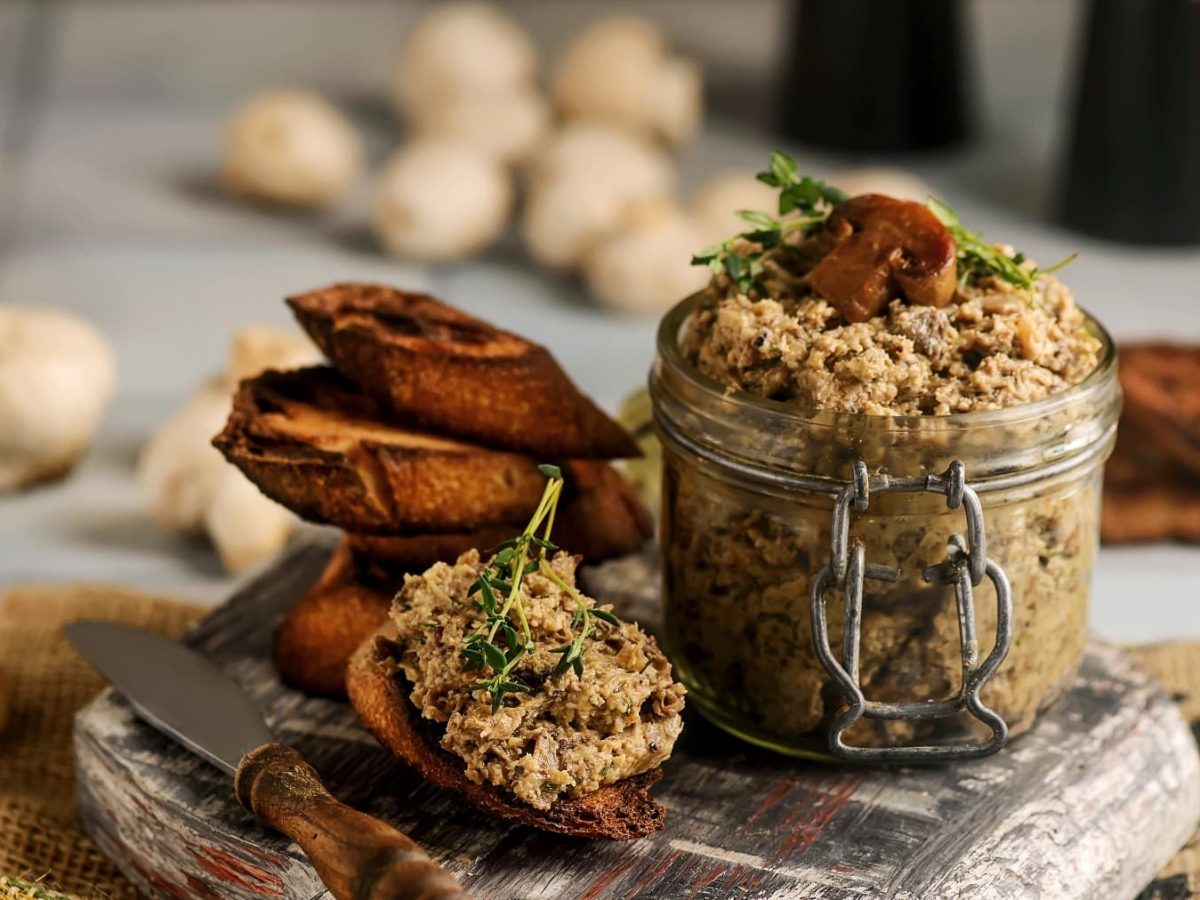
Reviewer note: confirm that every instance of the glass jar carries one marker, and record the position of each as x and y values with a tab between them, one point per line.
876	588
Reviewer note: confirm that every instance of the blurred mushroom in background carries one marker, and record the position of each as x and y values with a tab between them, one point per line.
881	180
291	148
581	183
620	70
441	200
716	202
57	376
188	486
645	267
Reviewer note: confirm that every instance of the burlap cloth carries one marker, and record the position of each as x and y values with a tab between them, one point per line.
43	849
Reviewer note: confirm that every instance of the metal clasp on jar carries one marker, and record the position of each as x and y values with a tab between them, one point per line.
965	567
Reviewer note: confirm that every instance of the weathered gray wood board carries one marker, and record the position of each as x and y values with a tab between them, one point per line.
1089	805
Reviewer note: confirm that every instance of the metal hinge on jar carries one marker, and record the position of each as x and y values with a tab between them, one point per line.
965	567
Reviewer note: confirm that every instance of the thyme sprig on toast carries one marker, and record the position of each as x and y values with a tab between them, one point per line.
504	638
807	202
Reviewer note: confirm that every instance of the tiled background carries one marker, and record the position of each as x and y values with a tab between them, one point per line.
110	118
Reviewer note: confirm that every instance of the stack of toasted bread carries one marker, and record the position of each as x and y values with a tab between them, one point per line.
1152	480
421	441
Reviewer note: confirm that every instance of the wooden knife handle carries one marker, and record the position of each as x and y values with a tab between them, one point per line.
358	857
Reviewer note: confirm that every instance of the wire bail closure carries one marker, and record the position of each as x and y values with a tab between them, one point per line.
965	567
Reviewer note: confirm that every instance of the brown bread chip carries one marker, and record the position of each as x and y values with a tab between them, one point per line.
322	631
1161	382
1147	496
379	694
601	518
457	374
312	442
5	700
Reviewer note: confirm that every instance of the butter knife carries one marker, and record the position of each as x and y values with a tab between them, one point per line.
183	695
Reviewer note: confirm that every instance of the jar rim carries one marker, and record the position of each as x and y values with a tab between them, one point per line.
671	325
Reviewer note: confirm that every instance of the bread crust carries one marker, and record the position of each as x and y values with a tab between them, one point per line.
1161	383
320	633
312	442
379	694
1147	496
457	374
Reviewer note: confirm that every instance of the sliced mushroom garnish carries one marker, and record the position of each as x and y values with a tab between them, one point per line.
883	248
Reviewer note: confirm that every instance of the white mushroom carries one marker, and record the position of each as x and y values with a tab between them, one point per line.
461	50
631	165
581	184
619	71
505	126
291	147
881	180
57	375
190	488
645	267
439	200
256	348
716	203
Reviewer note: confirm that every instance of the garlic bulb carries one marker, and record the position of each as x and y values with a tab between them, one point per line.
462	49
619	71
645	267
291	147
440	200
57	376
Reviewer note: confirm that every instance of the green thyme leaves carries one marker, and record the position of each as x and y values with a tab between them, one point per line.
978	260
806	200
504	638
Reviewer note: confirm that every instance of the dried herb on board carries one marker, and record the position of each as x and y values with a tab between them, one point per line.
807	203
504	638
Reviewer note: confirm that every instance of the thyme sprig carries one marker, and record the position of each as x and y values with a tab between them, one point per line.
978	259
814	200
807	202
502	641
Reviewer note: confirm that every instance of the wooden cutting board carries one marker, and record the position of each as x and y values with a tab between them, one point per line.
1089	805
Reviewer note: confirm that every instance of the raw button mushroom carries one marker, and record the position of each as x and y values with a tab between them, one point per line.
440	200
620	71
507	127
461	50
57	375
645	267
291	147
715	205
581	185
189	487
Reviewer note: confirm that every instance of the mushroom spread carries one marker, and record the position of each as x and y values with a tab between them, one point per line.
559	732
885	309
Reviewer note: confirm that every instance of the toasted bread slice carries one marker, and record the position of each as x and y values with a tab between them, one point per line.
311	441
379	694
322	631
1161	383
1147	496
457	374
602	518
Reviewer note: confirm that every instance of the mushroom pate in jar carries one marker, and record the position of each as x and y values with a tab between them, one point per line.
882	449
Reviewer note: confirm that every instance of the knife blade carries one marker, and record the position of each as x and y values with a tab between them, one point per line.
183	695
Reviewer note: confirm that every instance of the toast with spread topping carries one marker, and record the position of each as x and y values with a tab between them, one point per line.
312	442
379	692
1161	382
456	374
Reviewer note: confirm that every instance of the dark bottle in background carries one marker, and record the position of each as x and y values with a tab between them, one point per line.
1133	165
875	76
